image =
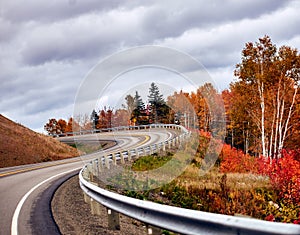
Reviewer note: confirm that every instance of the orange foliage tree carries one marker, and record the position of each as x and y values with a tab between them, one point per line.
266	95
54	127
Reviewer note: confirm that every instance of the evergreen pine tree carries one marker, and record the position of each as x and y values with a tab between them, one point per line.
155	98
160	111
94	119
139	109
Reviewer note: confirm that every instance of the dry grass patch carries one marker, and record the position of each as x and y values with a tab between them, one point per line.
194	178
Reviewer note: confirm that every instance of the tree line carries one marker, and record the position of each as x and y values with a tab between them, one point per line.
133	112
261	107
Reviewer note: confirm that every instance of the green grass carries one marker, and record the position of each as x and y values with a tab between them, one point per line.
151	162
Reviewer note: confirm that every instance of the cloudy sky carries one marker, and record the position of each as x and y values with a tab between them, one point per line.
49	47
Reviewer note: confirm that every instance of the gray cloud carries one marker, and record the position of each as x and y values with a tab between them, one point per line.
169	18
86	36
48	47
101	32
48	11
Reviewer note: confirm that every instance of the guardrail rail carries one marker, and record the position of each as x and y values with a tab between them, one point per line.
179	220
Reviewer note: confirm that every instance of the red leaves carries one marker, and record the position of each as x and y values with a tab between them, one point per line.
235	161
284	173
270	218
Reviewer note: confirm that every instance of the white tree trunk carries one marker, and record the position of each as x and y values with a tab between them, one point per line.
280	128
286	126
262	106
277	118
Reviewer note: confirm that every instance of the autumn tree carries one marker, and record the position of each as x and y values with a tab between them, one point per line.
62	124
242	131
81	122
227	97
69	127
76	123
121	118
86	123
102	123
51	126
129	106
109	117
105	118
54	127
266	92
208	105
202	109
182	109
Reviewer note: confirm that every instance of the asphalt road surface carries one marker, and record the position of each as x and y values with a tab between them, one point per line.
22	187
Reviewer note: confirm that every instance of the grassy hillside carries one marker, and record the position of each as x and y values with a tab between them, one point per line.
20	145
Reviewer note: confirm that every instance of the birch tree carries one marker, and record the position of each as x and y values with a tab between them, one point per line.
270	77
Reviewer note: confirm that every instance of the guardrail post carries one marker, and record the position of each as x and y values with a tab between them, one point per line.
144	151
137	152
91	176
122	158
88	169
153	230
164	146
86	198
114	158
151	149
157	147
174	142
100	165
94	168
107	162
129	155
113	219
177	141
95	207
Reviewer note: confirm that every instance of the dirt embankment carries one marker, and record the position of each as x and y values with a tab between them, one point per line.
20	145
73	215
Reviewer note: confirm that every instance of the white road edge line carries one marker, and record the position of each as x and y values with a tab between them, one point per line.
14	223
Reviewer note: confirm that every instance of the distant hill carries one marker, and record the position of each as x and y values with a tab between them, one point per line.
20	145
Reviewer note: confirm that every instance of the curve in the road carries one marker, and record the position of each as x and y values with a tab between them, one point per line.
21	187
14	223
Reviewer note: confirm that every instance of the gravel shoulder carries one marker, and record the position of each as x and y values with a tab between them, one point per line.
73	215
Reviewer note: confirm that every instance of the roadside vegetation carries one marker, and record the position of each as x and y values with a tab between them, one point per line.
238	185
257	173
151	162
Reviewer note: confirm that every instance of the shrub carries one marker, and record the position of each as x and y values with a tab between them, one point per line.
235	161
285	176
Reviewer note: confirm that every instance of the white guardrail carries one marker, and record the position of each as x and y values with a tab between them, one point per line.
111	129
175	219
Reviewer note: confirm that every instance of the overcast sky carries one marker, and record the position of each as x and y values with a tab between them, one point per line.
47	48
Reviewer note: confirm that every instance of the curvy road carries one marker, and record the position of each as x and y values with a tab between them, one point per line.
26	191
